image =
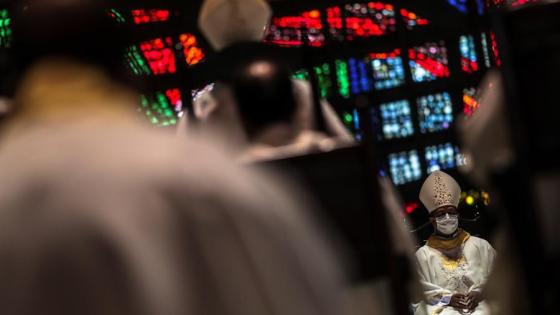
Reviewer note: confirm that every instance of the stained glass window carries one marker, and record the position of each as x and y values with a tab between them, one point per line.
336	24
410	207
360	81
460	5
494	3
461	159
388	70
5	29
441	157
174	97
435	112
117	15
342	78
357	129
495	50
348	22
192	52
480	9
323	73
361	75
412	20
144	16
405	167
509	3
136	61
361	20
469	59
396	119
161	107
518	3
159	55
290	30
348	120
470	101
301	75
485	50
428	62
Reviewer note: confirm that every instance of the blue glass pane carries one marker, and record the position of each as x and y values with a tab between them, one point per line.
396	119
359	79
460	5
435	112
441	157
469	59
357	127
404	167
480	7
388	72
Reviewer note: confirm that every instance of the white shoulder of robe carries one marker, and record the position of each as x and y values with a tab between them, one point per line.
481	246
472	242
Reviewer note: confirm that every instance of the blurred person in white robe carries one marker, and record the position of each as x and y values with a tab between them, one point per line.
453	265
227	22
103	218
101	214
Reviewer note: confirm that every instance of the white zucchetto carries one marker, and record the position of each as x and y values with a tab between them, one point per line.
440	190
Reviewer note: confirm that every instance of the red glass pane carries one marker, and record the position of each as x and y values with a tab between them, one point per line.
293	30
143	16
362	20
174	96
193	54
160	55
495	50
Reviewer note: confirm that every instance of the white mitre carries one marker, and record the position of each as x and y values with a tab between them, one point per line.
224	22
440	190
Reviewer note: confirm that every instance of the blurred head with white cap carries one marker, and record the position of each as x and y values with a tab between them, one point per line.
225	22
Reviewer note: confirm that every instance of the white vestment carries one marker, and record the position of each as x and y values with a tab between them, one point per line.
442	277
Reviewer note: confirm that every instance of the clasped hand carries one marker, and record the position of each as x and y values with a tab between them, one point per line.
468	301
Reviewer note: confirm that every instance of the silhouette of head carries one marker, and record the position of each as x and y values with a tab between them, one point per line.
263	92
